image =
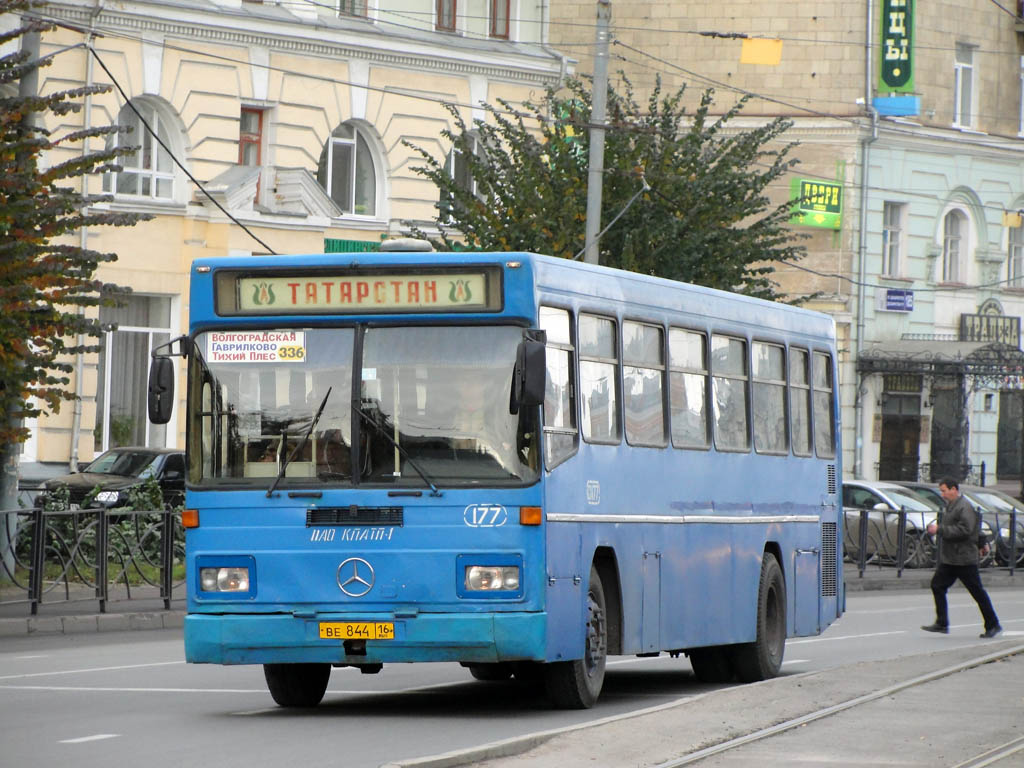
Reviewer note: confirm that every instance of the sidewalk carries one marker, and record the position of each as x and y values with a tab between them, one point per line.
146	610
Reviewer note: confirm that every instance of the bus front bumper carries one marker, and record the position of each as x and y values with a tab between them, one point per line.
283	638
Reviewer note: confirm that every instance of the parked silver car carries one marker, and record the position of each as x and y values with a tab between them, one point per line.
883	502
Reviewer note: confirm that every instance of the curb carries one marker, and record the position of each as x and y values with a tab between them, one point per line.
91	622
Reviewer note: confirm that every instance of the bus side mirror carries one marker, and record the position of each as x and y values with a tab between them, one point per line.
161	390
529	377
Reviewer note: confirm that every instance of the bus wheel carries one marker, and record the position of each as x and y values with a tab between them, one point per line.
712	664
577	684
762	658
490	673
297	685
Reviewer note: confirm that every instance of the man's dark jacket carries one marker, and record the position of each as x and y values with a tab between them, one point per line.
958	533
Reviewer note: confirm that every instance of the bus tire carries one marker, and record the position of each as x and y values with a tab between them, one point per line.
577	684
490	673
712	664
762	658
297	685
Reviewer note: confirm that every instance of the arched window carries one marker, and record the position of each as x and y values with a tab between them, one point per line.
149	171
954	229
348	172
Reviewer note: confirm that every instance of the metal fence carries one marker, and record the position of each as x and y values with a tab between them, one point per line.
910	469
57	556
873	537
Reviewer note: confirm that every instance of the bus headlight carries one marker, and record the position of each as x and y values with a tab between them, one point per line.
233	579
484	578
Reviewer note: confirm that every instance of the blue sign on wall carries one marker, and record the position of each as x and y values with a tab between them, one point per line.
898	300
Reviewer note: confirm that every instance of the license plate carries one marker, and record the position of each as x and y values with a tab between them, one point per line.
357	630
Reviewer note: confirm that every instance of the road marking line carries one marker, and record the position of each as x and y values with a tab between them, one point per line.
90	669
844	637
795	661
95	689
83	739
266	711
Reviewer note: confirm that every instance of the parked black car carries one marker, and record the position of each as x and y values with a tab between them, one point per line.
119	469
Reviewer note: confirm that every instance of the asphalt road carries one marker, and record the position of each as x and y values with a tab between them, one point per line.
116	698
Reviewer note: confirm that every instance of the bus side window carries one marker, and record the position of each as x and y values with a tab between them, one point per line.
770	398
643	376
560	433
800	401
599	375
731	392
824	407
688	358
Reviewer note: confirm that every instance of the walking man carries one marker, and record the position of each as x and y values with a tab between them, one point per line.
958	559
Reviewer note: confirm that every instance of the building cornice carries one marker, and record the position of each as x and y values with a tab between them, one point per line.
529	64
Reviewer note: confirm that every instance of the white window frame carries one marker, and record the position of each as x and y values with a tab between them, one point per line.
893	215
357	133
952	267
1015	257
1020	91
135	165
964	91
106	372
357	5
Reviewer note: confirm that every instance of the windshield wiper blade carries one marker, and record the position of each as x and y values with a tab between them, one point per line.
405	454
297	448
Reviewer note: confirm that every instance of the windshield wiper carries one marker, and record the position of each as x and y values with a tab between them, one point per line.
297	448
405	454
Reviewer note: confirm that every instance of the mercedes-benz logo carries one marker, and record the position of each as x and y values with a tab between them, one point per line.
355	577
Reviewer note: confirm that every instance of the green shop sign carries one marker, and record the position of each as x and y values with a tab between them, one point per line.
896	74
816	203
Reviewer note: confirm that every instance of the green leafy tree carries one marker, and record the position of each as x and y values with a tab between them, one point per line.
47	282
685	195
46	279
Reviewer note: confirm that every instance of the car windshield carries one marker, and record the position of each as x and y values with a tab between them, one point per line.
904	498
432	407
993	502
929	498
127	463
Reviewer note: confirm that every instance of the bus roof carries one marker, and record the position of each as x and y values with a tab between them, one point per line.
578	283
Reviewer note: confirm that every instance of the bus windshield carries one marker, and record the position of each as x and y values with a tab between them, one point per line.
433	407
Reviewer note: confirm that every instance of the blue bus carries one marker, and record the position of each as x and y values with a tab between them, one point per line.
520	463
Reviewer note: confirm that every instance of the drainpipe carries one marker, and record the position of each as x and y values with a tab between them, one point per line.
83	242
862	250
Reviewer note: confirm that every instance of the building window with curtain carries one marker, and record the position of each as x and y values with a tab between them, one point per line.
952	243
500	13
250	136
348	172
963	86
353	8
149	170
140	323
892	237
445	15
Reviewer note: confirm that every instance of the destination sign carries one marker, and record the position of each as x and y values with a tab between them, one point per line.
274	293
256	347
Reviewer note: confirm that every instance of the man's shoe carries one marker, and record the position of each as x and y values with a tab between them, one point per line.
990	633
937	628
